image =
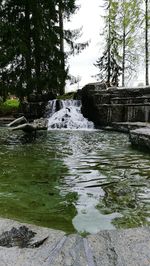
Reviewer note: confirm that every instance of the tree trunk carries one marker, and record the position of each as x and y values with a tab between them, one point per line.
109	47
61	30
28	46
123	45
36	40
146	45
123	56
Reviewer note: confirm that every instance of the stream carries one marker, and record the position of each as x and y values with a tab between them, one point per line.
74	180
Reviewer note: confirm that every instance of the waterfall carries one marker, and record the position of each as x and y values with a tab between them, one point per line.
51	108
66	114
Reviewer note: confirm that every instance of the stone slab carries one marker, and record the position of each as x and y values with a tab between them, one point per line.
121	247
140	137
130	247
104	107
128	126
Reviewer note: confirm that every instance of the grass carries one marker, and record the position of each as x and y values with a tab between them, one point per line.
9	107
12	103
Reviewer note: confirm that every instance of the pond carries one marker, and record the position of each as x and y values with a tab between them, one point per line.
82	181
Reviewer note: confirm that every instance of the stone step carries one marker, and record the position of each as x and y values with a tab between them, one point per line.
140	138
126	127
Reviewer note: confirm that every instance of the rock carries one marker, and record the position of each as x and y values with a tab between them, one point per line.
126	127
106	248
17	237
34	107
20	237
140	138
114	105
40	123
33	110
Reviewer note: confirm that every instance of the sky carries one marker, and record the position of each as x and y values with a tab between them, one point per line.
82	65
89	16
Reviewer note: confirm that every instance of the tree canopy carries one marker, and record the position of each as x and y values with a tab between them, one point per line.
32	56
124	20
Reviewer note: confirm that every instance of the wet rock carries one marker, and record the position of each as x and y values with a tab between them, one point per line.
110	247
40	123
140	138
19	237
33	110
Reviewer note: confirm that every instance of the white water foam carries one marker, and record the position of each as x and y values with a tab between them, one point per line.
68	117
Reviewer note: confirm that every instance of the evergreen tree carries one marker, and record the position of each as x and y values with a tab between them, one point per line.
27	45
67	38
109	68
146	42
32	56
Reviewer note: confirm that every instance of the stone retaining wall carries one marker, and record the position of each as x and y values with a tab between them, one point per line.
105	106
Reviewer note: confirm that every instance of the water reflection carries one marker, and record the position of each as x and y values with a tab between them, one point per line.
74	180
108	177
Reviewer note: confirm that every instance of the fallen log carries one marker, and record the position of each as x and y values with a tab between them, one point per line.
19	121
25	127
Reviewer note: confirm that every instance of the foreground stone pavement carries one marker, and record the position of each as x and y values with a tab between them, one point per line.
115	247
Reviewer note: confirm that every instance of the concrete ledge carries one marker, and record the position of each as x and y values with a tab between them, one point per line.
114	247
140	137
104	107
126	127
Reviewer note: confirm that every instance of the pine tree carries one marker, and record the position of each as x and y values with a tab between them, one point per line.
67	38
32	57
146	42
109	68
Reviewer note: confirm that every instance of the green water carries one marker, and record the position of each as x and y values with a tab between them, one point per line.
74	181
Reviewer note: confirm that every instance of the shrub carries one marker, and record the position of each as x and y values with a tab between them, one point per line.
9	107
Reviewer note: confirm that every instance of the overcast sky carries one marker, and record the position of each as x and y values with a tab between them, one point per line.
88	16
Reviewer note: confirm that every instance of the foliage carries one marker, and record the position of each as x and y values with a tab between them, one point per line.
9	106
146	20
109	68
120	56
32	57
128	27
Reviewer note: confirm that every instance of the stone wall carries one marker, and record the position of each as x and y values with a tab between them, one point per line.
105	106
35	106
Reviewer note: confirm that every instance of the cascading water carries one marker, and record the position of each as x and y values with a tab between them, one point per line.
51	108
68	117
